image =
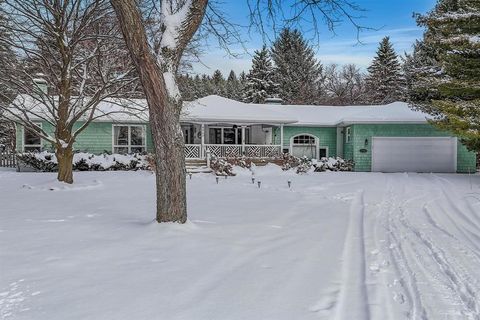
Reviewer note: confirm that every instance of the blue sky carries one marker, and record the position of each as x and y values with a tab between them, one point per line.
390	17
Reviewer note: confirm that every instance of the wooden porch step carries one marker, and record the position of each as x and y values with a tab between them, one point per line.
197	166
199	170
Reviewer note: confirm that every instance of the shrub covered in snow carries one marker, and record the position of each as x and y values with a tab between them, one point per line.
304	164
243	162
47	161
289	161
221	167
333	164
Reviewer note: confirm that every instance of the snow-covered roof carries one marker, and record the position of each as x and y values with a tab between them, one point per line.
397	112
216	109
113	109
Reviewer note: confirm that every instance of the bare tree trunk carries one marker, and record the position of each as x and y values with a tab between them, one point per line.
65	164
164	115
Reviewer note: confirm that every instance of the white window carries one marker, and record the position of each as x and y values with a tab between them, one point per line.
304	140
129	139
32	142
348	135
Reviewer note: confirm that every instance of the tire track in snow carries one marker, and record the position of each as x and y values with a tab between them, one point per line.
449	276
398	254
394	285
353	298
456	282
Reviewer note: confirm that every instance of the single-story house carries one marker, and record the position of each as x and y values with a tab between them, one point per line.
385	138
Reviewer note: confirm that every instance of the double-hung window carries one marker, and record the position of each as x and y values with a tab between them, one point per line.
32	142
129	139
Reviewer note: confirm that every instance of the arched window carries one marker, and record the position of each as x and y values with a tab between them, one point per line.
304	140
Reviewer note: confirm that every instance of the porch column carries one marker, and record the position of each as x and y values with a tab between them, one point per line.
243	140
202	140
281	138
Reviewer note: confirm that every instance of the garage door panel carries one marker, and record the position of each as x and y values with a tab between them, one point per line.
429	154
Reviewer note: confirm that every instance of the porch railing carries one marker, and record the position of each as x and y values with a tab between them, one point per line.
7	159
263	151
232	150
193	151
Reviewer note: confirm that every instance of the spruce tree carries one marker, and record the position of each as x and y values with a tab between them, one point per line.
296	69
445	69
260	84
385	82
218	83
232	87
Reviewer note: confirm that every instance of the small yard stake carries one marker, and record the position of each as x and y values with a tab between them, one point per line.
253	180
226	176
259	183
216	178
190	175
289	183
470	178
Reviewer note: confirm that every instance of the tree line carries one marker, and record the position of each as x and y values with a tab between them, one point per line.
88	51
289	70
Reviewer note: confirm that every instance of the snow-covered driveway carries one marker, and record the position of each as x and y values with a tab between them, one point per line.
334	246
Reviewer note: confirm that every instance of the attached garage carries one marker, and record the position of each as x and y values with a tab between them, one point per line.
414	154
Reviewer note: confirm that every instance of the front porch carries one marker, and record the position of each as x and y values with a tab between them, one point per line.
231	140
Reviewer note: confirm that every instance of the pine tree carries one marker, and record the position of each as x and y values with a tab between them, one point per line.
296	70
232	87
218	83
260	84
445	67
385	82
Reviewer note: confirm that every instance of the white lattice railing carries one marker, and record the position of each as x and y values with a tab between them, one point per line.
263	151
224	150
192	151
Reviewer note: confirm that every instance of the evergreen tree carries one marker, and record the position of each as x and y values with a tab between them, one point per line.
296	70
218	83
232	87
385	82
445	66
260	84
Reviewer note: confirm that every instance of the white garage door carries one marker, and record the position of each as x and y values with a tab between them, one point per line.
419	154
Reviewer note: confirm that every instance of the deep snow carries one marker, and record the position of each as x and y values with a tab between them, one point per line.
334	246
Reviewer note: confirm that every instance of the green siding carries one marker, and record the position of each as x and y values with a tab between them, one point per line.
360	132
327	136
96	138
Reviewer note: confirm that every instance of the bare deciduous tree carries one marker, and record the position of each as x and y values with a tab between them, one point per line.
74	47
157	54
343	85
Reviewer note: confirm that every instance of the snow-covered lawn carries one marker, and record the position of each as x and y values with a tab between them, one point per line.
334	246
